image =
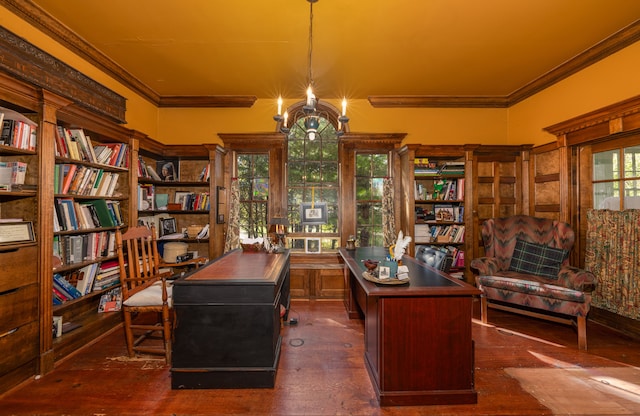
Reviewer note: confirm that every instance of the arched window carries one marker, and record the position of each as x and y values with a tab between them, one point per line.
313	179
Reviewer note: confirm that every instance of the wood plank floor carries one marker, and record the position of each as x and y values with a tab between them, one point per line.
523	366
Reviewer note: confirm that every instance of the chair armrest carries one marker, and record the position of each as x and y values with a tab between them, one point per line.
577	279
486	266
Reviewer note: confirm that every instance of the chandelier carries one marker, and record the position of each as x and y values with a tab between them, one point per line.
308	118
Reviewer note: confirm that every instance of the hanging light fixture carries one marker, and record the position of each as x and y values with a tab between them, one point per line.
308	118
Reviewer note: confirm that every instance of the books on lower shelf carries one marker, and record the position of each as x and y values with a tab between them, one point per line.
450	233
111	301
94	277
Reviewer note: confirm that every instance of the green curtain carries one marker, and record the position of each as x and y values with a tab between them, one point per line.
613	256
232	240
388	215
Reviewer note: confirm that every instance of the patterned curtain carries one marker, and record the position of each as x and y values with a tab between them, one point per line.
613	256
388	215
233	229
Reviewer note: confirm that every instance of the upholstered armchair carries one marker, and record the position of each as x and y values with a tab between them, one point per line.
526	270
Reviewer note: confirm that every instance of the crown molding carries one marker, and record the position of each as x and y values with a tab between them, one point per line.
208	101
437	101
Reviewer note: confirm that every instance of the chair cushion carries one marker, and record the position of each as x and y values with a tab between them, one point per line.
538	259
151	296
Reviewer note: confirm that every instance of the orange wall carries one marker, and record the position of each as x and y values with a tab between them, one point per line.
608	81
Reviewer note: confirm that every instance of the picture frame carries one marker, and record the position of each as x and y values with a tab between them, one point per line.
167	226
168	169
312	245
16	232
313	213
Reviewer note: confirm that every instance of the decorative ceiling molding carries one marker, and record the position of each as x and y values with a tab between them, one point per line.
437	101
614	43
34	15
23	60
208	101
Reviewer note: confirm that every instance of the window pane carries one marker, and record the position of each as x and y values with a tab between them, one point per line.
376	188
363	188
380	168
605	165
363	165
296	173
253	182
632	162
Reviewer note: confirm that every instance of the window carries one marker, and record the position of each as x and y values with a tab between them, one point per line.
313	184
371	169
253	183
616	174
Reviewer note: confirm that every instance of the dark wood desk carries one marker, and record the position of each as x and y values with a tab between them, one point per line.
418	346
227	332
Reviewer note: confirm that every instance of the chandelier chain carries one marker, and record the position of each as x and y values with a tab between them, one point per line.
310	74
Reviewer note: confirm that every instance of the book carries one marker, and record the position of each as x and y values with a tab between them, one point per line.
102	212
111	301
67	288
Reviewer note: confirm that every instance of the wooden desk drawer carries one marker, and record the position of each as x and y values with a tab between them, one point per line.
18	307
18	346
19	267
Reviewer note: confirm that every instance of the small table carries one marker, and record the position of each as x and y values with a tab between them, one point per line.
418	345
227	332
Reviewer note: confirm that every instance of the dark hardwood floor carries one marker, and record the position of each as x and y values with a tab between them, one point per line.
523	366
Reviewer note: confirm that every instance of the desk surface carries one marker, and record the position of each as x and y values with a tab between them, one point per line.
240	266
423	279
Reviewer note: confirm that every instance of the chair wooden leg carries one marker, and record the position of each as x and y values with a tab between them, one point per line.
582	332
483	308
128	333
166	333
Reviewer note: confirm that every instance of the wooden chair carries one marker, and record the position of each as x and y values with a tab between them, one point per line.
146	293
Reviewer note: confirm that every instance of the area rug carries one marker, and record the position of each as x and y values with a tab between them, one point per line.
583	391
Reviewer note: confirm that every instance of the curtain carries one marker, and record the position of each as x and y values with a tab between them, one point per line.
388	215
233	229
613	256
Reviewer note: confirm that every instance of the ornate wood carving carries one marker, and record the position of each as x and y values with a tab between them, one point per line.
23	60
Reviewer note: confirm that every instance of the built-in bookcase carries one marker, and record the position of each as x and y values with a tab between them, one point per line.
91	197
19	236
174	193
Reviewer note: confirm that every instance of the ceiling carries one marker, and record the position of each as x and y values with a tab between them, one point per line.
449	48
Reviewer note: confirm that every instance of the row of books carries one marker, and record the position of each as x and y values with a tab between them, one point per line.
447	190
194	201
147	171
13	173
148	200
70	215
72	249
73	143
83	180
94	277
452	233
458	256
18	133
426	168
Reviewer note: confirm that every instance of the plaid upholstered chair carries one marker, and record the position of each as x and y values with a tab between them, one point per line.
526	270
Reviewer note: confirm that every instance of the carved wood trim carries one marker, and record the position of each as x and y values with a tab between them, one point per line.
436	101
26	62
211	101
